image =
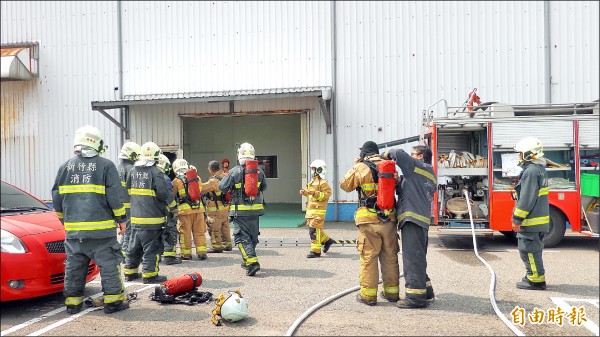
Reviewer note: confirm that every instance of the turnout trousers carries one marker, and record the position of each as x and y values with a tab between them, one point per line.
220	234
245	234
530	248
144	249
414	262
192	225
378	243
106	253
317	235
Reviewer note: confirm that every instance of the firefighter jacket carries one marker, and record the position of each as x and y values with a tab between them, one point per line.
360	178
211	192
418	186
532	210
88	197
124	167
316	206
241	204
151	199
184	204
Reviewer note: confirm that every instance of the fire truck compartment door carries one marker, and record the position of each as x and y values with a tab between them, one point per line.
588	133
553	134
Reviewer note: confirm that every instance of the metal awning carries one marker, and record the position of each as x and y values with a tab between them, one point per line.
19	62
324	94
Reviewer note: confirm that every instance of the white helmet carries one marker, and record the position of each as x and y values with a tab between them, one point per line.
320	167
246	151
235	307
150	151
530	147
131	151
164	164
89	136
180	164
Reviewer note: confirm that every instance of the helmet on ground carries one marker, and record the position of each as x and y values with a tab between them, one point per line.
150	151
530	147
246	151
320	167
235	307
180	164
89	136
164	164
130	150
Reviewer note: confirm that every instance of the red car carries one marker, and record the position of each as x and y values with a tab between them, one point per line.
33	251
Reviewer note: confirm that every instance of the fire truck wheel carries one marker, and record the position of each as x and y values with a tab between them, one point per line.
557	228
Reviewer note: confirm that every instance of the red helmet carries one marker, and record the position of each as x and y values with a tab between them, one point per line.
224	160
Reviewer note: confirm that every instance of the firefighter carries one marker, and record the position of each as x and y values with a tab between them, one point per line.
377	238
88	197
413	207
151	203
531	215
129	154
191	215
244	210
318	193
225	164
170	250
217	208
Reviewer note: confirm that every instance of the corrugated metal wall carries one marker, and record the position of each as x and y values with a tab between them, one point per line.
393	60
197	46
78	64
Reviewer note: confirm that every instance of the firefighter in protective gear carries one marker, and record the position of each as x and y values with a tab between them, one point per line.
318	193
129	154
245	211
232	308
531	215
88	198
170	250
191	215
151	203
218	209
225	164
377	239
416	191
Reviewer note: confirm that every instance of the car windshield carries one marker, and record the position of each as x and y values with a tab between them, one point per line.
15	200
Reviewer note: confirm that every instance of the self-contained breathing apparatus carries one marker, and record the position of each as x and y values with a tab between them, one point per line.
224	198
181	290
249	184
385	176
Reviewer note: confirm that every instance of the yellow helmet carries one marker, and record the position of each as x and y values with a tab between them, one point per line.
150	151
164	164
130	150
180	164
89	136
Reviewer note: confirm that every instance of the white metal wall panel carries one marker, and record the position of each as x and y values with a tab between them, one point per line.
396	58
553	134
589	133
78	64
575	51
197	46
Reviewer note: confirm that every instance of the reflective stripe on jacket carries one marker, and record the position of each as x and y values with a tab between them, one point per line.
151	198
240	202
532	210
360	176
88	197
316	206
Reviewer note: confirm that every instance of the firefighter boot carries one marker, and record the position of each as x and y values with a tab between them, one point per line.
132	277
389	297
430	293
367	302
73	309
526	284
117	306
252	269
411	304
155	279
312	255
202	257
169	260
327	245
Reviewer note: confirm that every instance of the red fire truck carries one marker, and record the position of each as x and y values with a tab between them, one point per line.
473	150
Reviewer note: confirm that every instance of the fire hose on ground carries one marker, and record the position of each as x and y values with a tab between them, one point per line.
492	289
